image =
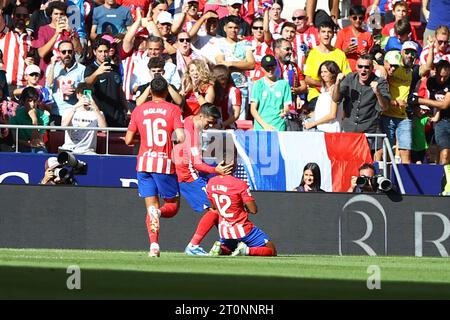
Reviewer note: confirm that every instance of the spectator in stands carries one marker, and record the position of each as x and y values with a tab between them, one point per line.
107	82
234	9
327	114
275	21
14	47
420	120
323	52
436	50
143	92
227	96
39	18
366	171
63	76
32	74
354	40
185	54
111	18
311	6
391	61
402	30
438	16
271	98
306	37
395	122
236	55
197	87
30	140
50	35
364	94
155	48
288	70
439	88
400	11
85	113
157	7
261	41
310	179
187	18
164	23
206	42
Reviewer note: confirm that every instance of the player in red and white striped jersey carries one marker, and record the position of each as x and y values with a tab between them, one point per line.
156	121
192	185
231	197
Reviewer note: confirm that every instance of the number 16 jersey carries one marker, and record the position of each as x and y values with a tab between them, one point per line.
156	121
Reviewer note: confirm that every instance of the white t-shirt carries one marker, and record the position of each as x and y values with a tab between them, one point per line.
207	46
81	141
323	107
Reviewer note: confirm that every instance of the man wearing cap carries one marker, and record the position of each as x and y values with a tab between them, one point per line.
111	18
164	24
62	77
271	98
50	177
32	75
234	9
395	122
364	94
185	20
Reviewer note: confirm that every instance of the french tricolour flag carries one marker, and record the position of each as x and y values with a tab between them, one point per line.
275	160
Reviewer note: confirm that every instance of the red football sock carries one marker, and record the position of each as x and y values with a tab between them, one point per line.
261	251
169	209
153	237
224	250
209	219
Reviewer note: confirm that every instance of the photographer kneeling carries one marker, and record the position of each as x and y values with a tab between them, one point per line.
368	181
62	169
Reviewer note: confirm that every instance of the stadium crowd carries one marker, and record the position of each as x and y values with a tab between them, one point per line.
90	63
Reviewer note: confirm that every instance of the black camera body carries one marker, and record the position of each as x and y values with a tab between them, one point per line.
71	167
377	182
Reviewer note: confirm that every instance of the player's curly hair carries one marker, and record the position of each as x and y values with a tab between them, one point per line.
203	70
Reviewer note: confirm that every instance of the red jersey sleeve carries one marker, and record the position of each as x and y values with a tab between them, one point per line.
245	192
132	126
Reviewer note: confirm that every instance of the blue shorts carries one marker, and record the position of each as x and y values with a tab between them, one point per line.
399	130
158	184
195	194
255	238
442	134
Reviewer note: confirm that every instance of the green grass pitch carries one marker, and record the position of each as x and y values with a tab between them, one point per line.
42	274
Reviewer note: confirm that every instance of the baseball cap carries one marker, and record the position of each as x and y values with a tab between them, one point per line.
268	61
410	45
52	163
32	68
393	57
231	2
165	17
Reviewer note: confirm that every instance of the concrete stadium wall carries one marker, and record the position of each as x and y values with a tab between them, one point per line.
300	223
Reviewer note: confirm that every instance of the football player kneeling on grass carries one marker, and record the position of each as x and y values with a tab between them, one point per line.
238	235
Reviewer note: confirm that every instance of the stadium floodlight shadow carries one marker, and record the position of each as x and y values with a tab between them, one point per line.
50	283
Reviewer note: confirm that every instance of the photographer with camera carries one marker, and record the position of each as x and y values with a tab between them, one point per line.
62	169
85	113
369	181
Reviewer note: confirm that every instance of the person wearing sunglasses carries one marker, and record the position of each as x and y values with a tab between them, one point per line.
365	95
185	20
436	50
395	122
306	36
63	76
185	54
354	40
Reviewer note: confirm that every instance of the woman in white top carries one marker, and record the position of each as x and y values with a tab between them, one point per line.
327	114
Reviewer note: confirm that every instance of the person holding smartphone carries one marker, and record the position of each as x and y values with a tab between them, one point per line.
85	113
354	40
